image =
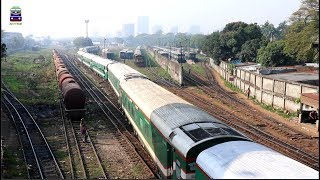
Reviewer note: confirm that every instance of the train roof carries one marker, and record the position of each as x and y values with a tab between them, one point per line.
102	61
249	160
124	72
179	121
137	52
96	58
80	52
86	55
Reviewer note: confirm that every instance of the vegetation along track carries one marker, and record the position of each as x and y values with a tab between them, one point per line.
116	122
260	128
40	160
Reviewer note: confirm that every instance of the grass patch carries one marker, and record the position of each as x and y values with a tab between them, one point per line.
203	58
231	86
198	68
275	110
30	75
137	170
61	154
14	164
200	91
148	59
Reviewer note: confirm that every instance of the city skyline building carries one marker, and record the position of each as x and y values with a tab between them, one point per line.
127	30
143	25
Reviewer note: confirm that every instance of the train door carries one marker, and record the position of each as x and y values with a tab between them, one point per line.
176	166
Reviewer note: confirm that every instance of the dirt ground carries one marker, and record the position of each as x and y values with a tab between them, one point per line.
304	128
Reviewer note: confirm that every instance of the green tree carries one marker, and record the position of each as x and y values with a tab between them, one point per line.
303	32
235	34
249	50
268	30
3	51
229	43
308	11
281	30
272	55
196	40
211	45
82	42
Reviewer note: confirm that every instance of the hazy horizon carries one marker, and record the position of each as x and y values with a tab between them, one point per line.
59	18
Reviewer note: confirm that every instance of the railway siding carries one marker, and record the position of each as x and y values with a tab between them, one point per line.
114	122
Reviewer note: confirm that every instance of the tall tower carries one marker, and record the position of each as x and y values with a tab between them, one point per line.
143	25
87	21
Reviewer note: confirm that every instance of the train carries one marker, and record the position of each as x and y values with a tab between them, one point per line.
106	53
138	57
91	49
175	53
73	95
184	141
126	54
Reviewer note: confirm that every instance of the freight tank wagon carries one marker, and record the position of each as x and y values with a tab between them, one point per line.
73	96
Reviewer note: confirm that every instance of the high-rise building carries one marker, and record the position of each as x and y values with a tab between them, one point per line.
195	29
127	30
143	25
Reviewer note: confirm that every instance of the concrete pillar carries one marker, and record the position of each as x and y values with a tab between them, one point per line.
255	85
273	84
284	95
300	118
261	92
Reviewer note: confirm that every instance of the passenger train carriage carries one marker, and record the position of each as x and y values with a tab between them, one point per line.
138	57
183	140
173	130
249	160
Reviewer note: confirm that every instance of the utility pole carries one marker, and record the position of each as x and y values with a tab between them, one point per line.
104	43
180	53
86	21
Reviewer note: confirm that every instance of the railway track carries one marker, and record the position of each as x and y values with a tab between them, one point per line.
212	89
116	122
41	163
254	131
11	116
84	160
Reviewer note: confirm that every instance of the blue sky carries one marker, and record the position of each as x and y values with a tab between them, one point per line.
59	18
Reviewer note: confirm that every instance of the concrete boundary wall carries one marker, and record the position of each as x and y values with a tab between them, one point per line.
281	94
172	67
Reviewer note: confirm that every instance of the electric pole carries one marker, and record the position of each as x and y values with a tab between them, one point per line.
87	21
180	53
